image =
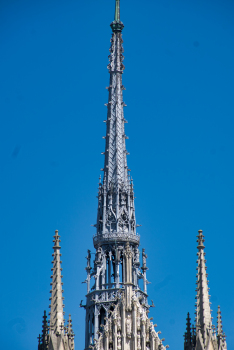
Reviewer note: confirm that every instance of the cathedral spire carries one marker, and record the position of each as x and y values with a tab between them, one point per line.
56	306
203	312
116	213
115	153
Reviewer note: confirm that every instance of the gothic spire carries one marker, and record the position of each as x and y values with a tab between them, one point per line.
56	306
43	339
116	213
56	336
188	334
203	312
70	333
115	168
221	338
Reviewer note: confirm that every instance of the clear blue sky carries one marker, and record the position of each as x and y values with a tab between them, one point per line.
179	78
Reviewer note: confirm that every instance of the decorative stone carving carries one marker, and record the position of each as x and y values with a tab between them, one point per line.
138	341
129	326
119	341
118	322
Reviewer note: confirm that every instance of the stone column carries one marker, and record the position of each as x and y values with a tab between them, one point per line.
143	335
97	278
128	276
152	342
86	330
104	207
109	269
129	213
90	327
115	334
134	325
123	326
96	325
117	261
106	345
103	271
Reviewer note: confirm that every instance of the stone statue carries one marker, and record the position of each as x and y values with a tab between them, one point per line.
88	257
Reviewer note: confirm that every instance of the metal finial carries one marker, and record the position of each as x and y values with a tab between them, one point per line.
117	10
117	25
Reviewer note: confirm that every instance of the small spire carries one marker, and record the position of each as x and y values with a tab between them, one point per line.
203	312
219	323
188	330
70	333
220	334
39	342
69	325
43	339
189	335
56	313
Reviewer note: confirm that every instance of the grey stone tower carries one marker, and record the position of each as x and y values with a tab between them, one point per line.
116	307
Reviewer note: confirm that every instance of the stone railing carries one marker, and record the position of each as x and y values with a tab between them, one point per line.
104	296
115	237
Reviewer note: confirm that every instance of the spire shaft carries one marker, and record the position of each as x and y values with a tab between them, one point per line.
203	312
115	168
116	213
56	312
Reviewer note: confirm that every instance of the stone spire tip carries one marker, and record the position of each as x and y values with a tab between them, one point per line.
200	240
